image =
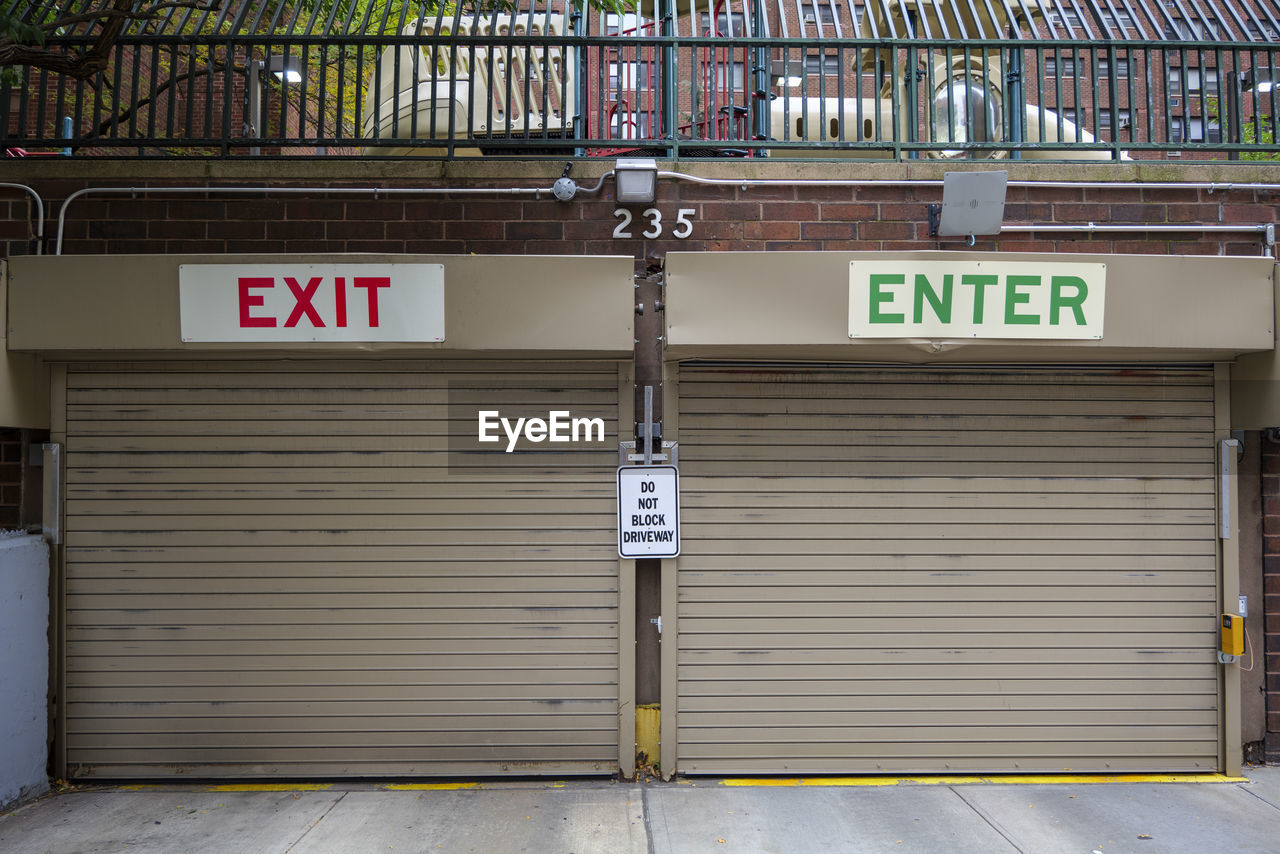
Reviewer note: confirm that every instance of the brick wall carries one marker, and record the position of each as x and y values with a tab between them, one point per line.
773	218
20	482
1271	590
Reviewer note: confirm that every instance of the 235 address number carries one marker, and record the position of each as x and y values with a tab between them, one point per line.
683	227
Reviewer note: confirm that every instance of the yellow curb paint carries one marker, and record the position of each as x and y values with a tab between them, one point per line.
429	787
649	734
271	787
1004	780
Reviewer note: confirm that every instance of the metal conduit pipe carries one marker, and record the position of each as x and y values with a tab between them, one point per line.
39	212
555	192
1266	231
747	183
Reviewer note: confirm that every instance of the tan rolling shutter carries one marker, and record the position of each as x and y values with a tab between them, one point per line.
947	570
282	569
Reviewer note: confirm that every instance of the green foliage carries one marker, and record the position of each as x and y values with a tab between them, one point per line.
328	104
1259	130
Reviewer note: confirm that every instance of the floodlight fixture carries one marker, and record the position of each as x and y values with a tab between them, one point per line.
637	180
1260	79
287	68
785	73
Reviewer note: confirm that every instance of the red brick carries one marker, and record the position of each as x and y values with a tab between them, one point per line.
886	230
295	229
792	246
849	212
549	209
264	209
1081	213
385	211
140	208
828	230
771	230
1248	213
432	209
534	230
1027	213
111	229
1138	213
147	247
1169	195
312	209
389	246
475	210
727	211
1056	195
1113	195
1085	247
341	229
789	211
553	247
473	230
889	193
698	192
414	230
211	210
441	247
232	230
1241	250
773	193
918	212
1194	213
188	229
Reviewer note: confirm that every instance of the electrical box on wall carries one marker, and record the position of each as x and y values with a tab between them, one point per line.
1232	635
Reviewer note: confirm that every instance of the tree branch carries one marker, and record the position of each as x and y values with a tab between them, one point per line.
124	115
134	15
82	66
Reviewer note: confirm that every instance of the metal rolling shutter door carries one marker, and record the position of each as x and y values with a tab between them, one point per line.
275	569
921	570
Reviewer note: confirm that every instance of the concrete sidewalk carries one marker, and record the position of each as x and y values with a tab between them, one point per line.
601	817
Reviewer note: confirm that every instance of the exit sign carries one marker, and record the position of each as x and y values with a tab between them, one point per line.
262	303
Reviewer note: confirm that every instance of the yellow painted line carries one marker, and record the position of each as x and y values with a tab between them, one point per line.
1002	780
270	787
429	787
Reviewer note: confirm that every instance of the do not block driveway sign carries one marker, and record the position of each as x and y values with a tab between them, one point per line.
648	511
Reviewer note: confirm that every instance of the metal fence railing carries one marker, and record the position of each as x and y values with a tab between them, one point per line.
568	84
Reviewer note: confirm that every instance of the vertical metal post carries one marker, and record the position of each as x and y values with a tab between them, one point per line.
253	115
910	105
51	517
1229	555
666	14
1016	100
649	600
648	425
759	94
582	56
1234	84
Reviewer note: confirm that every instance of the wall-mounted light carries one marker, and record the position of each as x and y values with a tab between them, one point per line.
1260	78
637	180
286	68
785	73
